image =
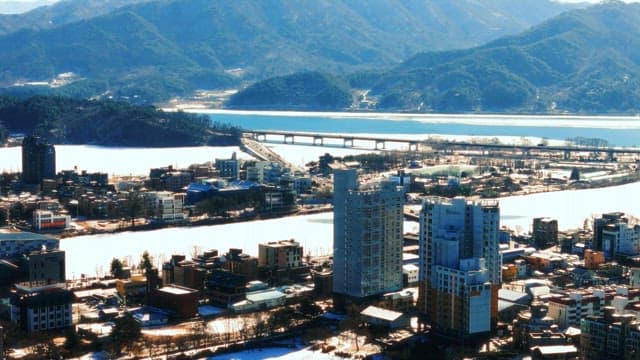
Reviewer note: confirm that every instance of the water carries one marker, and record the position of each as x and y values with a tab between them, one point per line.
618	131
92	254
122	161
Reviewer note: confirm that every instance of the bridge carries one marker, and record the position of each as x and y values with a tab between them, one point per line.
379	143
289	137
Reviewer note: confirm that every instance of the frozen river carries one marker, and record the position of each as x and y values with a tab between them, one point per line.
92	254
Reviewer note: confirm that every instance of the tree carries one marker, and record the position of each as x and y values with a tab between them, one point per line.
117	269
125	332
575	174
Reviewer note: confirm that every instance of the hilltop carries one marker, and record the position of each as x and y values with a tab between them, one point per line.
582	61
153	50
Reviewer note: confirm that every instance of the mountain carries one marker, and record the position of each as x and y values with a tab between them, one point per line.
583	61
158	49
48	14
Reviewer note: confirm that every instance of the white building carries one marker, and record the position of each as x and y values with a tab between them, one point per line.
41	308
412	271
165	206
624	238
460	264
48	220
368	235
568	310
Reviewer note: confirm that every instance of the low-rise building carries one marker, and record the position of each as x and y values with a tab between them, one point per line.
260	300
568	310
165	206
41	307
179	300
45	220
377	316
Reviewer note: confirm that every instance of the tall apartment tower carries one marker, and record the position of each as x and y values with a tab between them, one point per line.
367	237
460	266
38	160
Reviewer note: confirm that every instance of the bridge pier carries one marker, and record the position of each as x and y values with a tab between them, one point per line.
611	156
567	155
347	142
318	140
413	146
287	137
380	142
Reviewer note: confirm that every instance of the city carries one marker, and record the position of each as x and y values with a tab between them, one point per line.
328	179
461	283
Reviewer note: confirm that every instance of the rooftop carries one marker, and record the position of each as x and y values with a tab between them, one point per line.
380	313
175	290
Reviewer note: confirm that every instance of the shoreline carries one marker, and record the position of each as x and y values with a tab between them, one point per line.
150	226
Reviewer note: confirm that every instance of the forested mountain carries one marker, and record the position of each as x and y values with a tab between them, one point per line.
60	13
583	61
109	123
158	49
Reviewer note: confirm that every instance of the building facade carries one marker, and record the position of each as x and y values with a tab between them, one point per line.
165	206
280	254
38	160
41	308
367	225
460	265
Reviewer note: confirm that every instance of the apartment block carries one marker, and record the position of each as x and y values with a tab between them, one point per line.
368	220
41	308
460	265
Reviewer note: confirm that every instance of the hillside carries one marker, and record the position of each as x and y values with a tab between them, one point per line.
583	61
154	50
57	14
109	123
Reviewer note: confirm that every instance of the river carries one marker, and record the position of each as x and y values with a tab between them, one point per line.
91	255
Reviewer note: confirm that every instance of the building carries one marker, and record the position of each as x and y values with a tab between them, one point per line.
384	317
16	244
260	300
593	259
614	234
533	321
280	254
45	266
567	310
229	168
38	160
612	336
240	263
460	265
544	232
179	300
165	206
367	237
44	220
41	308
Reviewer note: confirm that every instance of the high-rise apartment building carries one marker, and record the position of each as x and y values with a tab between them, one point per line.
367	241
615	234
460	266
38	160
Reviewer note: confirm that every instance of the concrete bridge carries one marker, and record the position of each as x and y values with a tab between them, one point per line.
379	143
289	137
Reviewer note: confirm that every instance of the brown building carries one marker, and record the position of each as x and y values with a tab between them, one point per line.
182	301
593	259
